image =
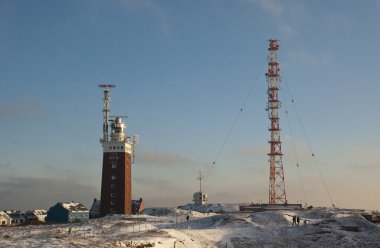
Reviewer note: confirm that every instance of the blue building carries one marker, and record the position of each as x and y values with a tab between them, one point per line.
67	212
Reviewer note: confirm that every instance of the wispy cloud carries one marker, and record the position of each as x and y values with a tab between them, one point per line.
273	7
95	13
152	181
310	59
30	193
363	167
160	191
254	151
369	159
5	164
285	14
152	7
21	110
150	157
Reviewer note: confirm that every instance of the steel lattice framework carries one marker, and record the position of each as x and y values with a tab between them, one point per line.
277	193
106	110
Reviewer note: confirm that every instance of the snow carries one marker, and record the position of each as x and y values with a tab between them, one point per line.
164	227
207	208
74	206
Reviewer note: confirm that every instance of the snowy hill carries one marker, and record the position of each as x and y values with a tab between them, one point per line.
164	227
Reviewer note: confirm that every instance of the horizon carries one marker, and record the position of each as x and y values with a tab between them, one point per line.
183	71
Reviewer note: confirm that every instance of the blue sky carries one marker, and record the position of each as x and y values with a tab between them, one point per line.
183	69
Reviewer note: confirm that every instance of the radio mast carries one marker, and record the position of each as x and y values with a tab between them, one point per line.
277	193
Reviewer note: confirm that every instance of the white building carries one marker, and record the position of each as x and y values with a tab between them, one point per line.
3	220
15	218
199	198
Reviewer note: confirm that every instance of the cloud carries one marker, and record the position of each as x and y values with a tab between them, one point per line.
161	192
152	181
21	110
255	151
152	7
276	9
363	167
5	164
309	59
285	14
25	193
150	157
286	30
273	7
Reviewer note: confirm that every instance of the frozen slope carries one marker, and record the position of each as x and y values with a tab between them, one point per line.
166	227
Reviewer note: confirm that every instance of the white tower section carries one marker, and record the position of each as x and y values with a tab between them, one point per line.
119	142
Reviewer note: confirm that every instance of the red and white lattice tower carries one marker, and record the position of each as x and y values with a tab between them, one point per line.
277	193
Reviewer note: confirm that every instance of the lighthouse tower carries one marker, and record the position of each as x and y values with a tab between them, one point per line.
118	155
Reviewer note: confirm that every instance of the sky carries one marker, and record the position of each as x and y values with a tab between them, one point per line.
183	70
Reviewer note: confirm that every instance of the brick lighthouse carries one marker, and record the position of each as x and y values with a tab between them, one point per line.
118	156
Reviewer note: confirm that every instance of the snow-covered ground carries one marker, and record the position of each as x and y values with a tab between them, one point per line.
168	227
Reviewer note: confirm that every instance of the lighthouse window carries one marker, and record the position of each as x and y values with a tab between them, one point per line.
114	164
113	177
114	147
121	147
110	147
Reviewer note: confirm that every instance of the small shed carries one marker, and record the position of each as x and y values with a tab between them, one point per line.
137	206
95	209
67	212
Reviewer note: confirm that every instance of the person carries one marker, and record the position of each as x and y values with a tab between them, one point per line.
298	220
294	221
187	218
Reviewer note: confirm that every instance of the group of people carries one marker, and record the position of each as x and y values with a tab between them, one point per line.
296	221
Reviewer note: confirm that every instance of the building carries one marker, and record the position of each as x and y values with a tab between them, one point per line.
41	214
3	220
67	212
118	149
137	206
31	218
95	209
199	198
35	216
14	218
116	192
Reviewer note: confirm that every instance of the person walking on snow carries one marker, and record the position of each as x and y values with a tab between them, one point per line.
298	221
294	221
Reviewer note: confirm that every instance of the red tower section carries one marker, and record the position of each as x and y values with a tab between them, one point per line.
277	193
116	192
